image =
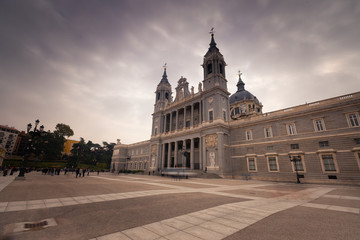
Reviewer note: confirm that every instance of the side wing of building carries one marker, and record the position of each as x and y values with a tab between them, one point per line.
324	136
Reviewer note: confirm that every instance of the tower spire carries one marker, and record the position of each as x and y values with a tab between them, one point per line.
164	76
212	42
240	83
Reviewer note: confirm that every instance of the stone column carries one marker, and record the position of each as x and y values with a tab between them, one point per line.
169	155
200	153
175	153
163	156
204	157
171	121
192	116
177	120
200	112
192	153
220	146
182	155
184	118
166	121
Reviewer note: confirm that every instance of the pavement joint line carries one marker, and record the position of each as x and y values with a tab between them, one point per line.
60	202
342	197
243	215
332	207
6	180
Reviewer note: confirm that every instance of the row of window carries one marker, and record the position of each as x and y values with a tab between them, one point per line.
328	163
137	166
319	126
211	115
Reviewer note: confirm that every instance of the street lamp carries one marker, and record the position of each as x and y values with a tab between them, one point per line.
28	148
295	159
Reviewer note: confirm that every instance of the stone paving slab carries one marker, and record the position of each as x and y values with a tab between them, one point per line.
216	222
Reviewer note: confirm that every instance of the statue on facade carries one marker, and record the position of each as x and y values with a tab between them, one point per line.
200	87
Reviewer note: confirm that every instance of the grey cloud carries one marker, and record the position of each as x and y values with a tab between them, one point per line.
95	64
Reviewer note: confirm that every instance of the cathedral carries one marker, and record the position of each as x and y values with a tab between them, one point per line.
213	132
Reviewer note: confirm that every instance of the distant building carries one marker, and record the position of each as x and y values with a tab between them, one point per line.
211	131
68	146
9	138
2	154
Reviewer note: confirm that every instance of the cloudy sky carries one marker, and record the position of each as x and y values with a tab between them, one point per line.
94	65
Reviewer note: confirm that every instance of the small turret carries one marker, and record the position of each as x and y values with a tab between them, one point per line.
243	103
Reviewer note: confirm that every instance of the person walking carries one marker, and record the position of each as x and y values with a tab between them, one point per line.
83	172
77	172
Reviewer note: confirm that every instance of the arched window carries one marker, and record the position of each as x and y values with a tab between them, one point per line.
167	95
158	96
209	68
221	68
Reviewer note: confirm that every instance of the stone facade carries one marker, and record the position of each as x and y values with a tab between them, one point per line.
131	157
9	138
210	131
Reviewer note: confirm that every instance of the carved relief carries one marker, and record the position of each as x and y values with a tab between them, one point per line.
182	90
152	164
153	150
211	159
210	100
211	140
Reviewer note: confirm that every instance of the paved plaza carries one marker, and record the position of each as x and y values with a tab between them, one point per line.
107	207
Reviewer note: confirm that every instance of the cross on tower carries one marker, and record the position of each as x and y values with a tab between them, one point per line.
165	66
239	73
212	31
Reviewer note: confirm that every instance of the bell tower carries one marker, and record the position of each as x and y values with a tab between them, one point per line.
163	98
163	92
214	67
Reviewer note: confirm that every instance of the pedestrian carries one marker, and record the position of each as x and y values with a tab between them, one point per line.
98	171
88	172
83	172
5	172
77	172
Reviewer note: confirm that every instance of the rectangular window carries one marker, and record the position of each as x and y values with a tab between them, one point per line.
248	134
297	165
187	124
357	140
268	132
353	120
155	132
291	130
252	164
294	146
211	115
272	164
323	144
319	125
328	163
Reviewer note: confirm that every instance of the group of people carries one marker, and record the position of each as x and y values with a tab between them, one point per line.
82	171
8	170
51	171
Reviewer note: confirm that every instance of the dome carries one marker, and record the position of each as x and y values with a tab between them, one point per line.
242	94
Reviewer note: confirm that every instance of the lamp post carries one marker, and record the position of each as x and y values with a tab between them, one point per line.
29	146
295	159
